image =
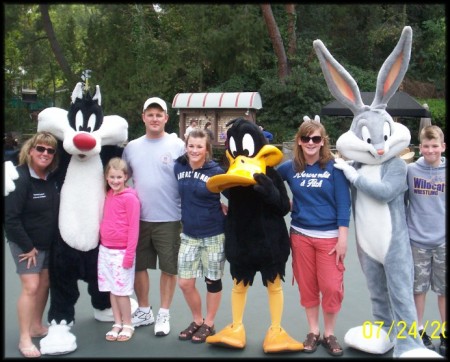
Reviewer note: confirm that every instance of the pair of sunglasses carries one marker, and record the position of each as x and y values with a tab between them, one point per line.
42	149
315	139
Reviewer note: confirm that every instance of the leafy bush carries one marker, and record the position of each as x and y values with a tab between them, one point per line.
438	111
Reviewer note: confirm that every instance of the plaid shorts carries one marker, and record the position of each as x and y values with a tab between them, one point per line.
429	269
200	257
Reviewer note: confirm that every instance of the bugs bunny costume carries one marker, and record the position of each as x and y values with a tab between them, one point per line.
378	178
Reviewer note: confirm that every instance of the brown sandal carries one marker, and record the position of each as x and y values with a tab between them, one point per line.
332	346
203	332
187	334
311	342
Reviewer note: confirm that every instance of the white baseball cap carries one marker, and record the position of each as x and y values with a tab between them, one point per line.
155	100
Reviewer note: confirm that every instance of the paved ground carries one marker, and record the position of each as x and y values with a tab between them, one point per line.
90	334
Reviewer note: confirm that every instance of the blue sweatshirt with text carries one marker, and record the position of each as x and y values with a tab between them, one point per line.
321	197
201	211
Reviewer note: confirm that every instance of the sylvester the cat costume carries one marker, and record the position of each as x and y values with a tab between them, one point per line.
87	138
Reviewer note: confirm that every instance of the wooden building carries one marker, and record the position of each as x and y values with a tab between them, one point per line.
217	108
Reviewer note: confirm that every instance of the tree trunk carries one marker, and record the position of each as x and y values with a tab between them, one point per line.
277	41
57	51
292	40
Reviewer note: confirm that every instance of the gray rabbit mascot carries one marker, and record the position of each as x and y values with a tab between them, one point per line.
378	178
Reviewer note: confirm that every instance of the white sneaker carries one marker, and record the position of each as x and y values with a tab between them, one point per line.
162	326
105	315
140	318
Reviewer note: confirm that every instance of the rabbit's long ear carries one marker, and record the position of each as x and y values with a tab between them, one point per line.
340	83
393	70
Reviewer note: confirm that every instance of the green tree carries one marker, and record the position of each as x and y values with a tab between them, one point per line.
138	50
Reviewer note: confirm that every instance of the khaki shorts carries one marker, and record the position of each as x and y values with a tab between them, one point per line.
21	267
158	241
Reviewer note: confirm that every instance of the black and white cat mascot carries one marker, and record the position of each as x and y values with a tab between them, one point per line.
86	139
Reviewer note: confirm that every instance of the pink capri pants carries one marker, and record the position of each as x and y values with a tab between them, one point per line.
316	272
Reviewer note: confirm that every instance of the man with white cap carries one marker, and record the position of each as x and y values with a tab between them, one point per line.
150	159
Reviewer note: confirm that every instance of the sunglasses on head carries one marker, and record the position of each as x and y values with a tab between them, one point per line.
42	149
315	139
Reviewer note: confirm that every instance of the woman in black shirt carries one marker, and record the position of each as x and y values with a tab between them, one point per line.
31	221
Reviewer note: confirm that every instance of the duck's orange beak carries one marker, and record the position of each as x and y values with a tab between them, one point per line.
242	168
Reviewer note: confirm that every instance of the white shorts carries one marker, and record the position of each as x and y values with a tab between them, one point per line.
112	277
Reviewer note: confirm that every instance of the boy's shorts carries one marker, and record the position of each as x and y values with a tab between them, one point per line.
429	269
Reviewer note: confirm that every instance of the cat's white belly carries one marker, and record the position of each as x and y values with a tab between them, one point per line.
81	205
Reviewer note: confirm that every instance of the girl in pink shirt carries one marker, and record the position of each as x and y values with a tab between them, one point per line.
119	232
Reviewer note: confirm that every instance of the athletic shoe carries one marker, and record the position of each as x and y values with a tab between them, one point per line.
443	346
140	318
105	315
162	326
426	339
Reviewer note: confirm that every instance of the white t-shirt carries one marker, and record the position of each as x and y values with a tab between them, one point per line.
150	163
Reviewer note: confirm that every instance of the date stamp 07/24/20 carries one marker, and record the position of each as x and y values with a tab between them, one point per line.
401	330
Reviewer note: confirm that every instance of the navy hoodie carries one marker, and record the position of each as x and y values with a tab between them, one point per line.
201	211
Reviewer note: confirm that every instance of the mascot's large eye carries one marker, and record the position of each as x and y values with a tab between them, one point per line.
386	130
248	145
232	146
91	122
365	134
79	121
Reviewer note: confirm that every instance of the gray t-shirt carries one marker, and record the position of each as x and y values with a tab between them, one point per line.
150	163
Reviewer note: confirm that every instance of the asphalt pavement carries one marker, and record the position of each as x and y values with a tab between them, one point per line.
356	309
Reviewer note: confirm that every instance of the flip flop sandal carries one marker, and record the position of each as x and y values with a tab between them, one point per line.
311	342
203	332
332	346
111	336
126	333
189	332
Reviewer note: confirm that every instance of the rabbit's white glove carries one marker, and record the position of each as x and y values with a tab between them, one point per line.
316	118
10	175
349	171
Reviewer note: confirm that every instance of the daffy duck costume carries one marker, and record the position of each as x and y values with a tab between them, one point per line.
256	237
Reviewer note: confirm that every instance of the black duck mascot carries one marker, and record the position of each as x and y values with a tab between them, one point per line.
256	236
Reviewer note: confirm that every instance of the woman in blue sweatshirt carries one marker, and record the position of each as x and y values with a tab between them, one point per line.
319	228
202	240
